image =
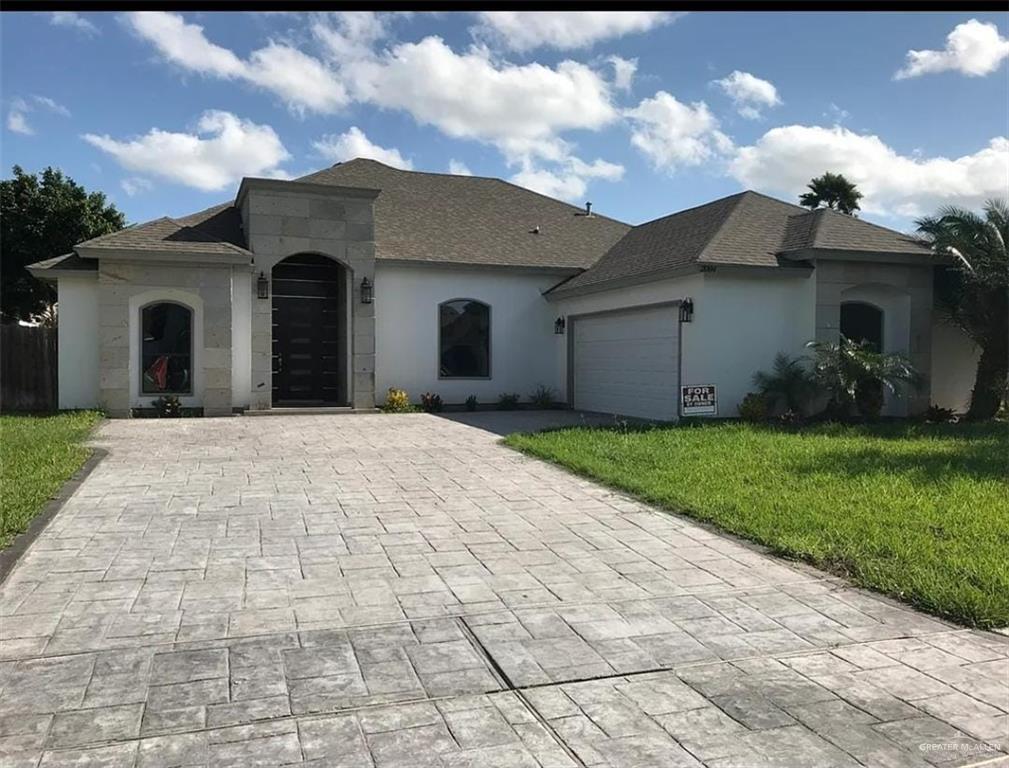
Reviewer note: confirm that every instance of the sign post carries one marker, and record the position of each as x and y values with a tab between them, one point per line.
698	400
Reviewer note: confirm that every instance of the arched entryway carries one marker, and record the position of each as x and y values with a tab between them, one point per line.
310	332
861	321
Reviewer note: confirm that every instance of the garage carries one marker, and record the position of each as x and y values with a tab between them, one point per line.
627	362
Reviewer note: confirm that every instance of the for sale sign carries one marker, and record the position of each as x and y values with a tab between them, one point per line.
698	400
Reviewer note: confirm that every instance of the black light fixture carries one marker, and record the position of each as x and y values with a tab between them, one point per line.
686	310
559	326
367	292
262	287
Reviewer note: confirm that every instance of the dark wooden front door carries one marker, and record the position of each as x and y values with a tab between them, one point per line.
309	332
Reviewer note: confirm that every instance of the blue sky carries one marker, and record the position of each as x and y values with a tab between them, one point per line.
641	113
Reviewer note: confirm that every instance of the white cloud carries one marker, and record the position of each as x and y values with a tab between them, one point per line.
134	185
566	30
784	159
749	93
354	143
519	109
349	35
972	48
672	134
303	82
72	20
51	105
458	168
623	72
569	181
17	122
221	150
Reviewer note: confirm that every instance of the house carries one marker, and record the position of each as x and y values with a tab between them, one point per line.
329	289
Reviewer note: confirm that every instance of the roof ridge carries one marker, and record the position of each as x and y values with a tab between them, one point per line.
692	208
862	221
737	206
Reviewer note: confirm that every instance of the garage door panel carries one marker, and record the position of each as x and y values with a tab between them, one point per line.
626	363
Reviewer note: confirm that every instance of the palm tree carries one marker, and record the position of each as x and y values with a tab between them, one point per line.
854	374
974	291
833	191
788	386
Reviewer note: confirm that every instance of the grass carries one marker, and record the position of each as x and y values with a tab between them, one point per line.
919	512
37	455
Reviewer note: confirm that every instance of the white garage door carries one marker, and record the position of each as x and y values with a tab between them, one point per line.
626	363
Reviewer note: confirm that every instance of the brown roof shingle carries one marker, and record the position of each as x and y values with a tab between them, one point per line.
435	217
745	229
215	230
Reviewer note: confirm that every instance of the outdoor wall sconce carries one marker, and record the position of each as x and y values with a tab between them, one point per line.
367	292
686	310
262	287
559	326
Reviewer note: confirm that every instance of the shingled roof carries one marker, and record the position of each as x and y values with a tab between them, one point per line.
436	217
216	230
745	229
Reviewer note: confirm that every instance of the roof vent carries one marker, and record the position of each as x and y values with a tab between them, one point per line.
535	230
588	208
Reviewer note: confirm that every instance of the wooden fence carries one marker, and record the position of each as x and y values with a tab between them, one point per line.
28	372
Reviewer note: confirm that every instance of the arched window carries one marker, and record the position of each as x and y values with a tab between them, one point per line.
464	339
862	322
166	349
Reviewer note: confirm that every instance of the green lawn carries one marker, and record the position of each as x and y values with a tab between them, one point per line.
37	455
920	512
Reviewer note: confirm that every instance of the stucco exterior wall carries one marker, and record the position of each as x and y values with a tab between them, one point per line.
740	323
954	366
336	223
903	292
123	289
78	341
524	348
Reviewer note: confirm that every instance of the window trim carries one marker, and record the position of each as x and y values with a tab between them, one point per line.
192	350
490	340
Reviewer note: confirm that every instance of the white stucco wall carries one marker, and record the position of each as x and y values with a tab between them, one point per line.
78	341
740	323
954	366
525	352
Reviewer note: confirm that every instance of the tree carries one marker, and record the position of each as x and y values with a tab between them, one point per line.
854	374
974	290
42	216
833	191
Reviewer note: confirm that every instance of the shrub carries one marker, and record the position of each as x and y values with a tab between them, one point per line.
543	396
397	401
431	403
508	401
471	403
789	418
937	415
789	385
754	408
168	407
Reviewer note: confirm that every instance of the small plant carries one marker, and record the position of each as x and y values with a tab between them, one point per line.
431	403
508	401
168	407
788	386
543	396
789	418
937	415
471	403
754	408
397	401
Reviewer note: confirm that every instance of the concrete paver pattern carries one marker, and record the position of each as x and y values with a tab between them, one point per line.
384	591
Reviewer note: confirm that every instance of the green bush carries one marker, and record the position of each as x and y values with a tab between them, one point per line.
168	407
471	403
543	396
754	408
508	401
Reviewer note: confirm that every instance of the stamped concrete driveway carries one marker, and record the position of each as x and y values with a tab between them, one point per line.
404	591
